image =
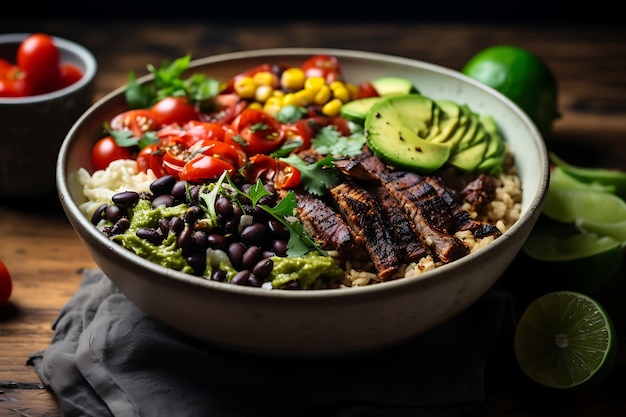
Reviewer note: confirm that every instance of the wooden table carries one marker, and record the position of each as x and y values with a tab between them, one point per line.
45	257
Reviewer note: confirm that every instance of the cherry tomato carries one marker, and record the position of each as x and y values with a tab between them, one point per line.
173	161
6	285
39	57
14	87
325	66
5	67
366	89
255	132
137	121
204	168
151	157
105	151
69	74
196	130
281	173
218	149
223	108
174	110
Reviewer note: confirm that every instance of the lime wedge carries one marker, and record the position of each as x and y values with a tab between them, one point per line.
565	339
571	259
569	204
604	177
559	179
616	230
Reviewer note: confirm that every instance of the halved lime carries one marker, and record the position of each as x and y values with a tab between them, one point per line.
571	259
565	339
568	205
613	178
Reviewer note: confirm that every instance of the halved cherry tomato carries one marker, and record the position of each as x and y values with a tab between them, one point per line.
221	150
174	110
173	161
325	66
69	74
222	108
14	87
137	121
106	150
197	130
281	173
151	157
39	58
204	168
255	132
366	89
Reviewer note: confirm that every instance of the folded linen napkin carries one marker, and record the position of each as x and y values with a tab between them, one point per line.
108	358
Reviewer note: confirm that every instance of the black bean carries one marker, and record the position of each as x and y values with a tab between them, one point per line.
179	190
151	235
235	254
254	234
263	268
280	247
241	278
177	225
125	198
120	226
277	229
199	239
163	200
184	239
99	214
219	275
163	185
192	214
217	241
254	281
194	192
250	257
224	207
267	253
114	213
164	226
198	262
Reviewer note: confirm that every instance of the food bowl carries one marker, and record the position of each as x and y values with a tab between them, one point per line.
33	127
324	322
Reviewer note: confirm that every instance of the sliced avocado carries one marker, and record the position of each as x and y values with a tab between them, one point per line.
447	121
469	158
496	149
356	110
394	85
470	132
396	128
463	125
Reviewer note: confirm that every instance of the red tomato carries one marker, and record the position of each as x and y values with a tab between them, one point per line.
137	121
151	157
173	162
14	87
255	132
282	174
105	151
69	74
325	66
6	285
223	108
196	130
218	149
5	67
39	57
366	89
174	110
204	168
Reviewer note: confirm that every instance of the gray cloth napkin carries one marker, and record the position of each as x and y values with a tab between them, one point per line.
108	358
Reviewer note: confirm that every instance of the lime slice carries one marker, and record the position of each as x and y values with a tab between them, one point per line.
571	259
611	178
568	205
559	179
565	339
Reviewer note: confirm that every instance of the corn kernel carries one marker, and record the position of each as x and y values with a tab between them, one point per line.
245	87
332	108
264	78
292	79
303	97
263	92
314	84
290	99
255	105
323	95
340	91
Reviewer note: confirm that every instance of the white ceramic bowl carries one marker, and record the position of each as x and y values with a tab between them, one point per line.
32	128
314	323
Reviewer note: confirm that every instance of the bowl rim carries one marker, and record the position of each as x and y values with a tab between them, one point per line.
428	278
86	57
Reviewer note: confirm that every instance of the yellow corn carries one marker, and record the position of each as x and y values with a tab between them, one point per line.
273	105
255	105
332	108
303	97
340	91
263	93
323	95
292	79
245	87
314	84
264	78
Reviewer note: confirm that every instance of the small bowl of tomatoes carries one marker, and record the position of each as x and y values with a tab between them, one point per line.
46	83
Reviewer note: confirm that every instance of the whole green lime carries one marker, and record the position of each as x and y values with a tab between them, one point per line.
522	77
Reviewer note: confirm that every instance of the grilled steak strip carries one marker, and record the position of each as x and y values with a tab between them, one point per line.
429	212
409	247
322	222
367	225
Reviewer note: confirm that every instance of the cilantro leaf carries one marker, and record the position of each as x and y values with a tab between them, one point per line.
330	142
316	177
